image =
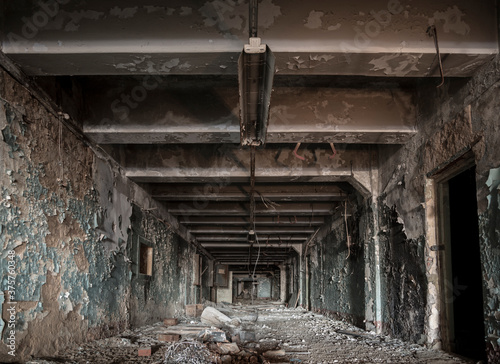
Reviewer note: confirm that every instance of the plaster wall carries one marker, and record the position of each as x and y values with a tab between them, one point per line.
69	217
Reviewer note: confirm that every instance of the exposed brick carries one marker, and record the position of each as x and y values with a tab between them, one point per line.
170	322
144	351
194	310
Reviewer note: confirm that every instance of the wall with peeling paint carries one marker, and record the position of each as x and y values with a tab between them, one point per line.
337	278
69	215
460	116
169	289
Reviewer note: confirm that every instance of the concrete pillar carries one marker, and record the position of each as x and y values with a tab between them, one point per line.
433	308
282	283
377	251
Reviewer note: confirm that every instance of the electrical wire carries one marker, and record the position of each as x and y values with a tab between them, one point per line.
256	262
432	31
347	231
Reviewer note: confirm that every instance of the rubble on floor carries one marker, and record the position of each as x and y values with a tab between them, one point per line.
189	352
251	334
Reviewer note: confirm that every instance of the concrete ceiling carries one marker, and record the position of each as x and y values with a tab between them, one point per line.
158	89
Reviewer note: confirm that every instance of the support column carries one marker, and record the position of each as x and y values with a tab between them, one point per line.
282	283
376	303
302	279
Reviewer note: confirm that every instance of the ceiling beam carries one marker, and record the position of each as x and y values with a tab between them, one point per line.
244	231
236	209
222	165
209	245
240	197
275	193
208	113
253	263
226	164
274	221
263	240
366	38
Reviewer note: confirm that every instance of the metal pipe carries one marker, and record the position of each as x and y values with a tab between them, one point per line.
253	15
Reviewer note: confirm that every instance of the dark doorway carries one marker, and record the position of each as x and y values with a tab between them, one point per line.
468	316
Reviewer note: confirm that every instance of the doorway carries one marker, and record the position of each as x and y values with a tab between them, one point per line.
462	275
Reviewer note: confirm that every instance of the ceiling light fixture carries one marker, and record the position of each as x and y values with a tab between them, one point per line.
255	77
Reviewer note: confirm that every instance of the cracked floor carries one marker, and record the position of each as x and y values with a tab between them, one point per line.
269	335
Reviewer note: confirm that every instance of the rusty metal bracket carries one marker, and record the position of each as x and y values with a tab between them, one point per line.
333	150
296	150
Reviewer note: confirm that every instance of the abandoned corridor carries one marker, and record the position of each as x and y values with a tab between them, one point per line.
340	158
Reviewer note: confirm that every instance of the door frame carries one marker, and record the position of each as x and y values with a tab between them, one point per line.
442	247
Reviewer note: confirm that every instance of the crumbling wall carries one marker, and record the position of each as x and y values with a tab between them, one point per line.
338	271
460	116
405	288
166	292
68	284
66	215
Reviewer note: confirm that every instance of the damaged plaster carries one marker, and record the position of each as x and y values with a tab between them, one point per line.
318	20
69	217
451	20
398	65
227	16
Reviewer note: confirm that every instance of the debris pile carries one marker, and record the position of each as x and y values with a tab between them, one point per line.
189	352
256	334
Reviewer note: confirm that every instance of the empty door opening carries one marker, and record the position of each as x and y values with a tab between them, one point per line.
463	278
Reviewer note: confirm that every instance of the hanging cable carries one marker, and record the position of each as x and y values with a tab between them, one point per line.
252	219
347	231
256	263
253	18
252	187
432	32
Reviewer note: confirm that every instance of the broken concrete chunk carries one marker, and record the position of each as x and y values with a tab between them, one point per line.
212	316
228	348
245	336
235	322
213	335
274	353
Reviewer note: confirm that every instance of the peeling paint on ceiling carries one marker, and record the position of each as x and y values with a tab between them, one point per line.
314	19
396	64
452	18
125	13
320	20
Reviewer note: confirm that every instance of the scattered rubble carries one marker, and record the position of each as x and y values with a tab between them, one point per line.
189	352
266	334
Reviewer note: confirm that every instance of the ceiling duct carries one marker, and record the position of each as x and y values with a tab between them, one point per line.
255	77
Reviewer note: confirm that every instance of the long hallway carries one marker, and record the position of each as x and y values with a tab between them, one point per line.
259	333
341	157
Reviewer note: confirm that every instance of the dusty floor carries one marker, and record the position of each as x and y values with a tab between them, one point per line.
268	334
